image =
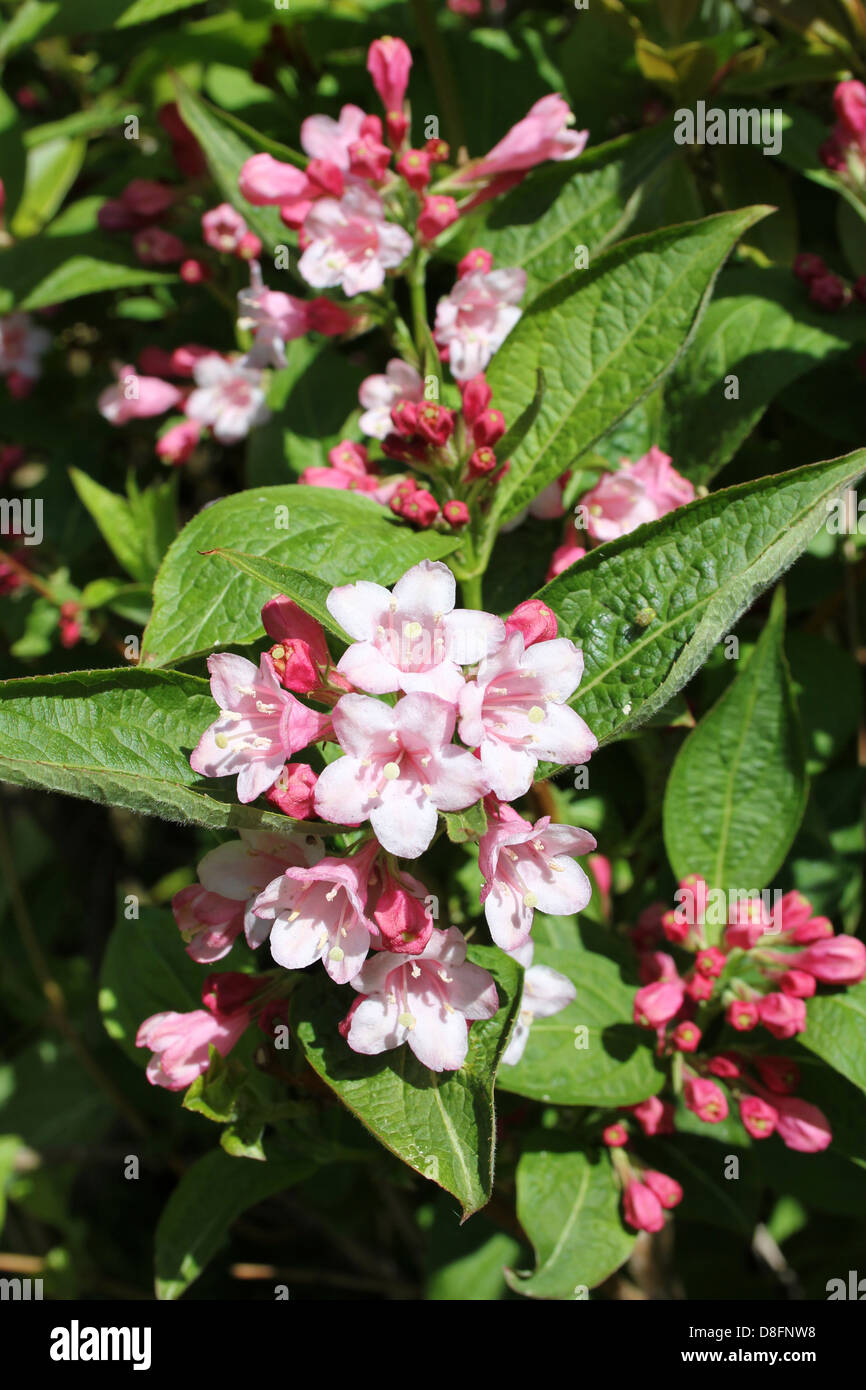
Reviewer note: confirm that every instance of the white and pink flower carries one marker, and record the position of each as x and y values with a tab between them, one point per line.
544	133
634	494
545	992
229	397
515	712
400	768
350	243
426	1000
413	638
474	320
22	345
319	913
259	727
527	867
136	397
378	393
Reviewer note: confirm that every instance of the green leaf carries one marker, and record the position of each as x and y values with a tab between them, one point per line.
226	152
334	537
616	1066
306	590
699	568
470	824
52	168
137	529
201	1210
761	329
122	738
837	1031
568	1205
587	202
604	337
145	971
737	790
51	269
439	1124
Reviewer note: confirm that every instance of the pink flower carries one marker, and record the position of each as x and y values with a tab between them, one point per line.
710	962
476	318
223	227
400	911
22	345
301	656
477	259
799	1125
515	712
267	182
634	494
426	1000
437	213
212	913
294	790
656	1004
566	554
615	1136
686	1037
319	913
798	983
743	1015
545	992
259	726
642	1208
136	397
838	960
668	1190
748	922
412	639
535	620
542	134
350	244
758	1116
178	442
180	1044
782	1015
324	138
705	1099
400	768
377	394
794	910
816	929
229	397
388	63
525	867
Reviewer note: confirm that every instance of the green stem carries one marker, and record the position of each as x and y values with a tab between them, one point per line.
418	296
440	69
471	587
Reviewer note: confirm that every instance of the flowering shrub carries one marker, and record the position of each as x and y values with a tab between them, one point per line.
462	794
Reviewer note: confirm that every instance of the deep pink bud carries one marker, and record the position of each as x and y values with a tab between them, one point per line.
326	176
265	181
615	1136
801	1126
249	248
806	267
705	1099
369	159
779	1074
434	423
155	246
178	442
293	791
710	962
642	1208
781	1015
675	928
489	427
849	99
323	316
758	1116
816	929
668	1190
193	272
477	396
371	128
388	63
686	1037
481	462
478	259
724	1064
534	619
656	1004
656	965
155	361
699	987
349	457
793	911
401	913
397	123
829	292
456	513
404	418
832	155
799	984
414	166
743	1015
654	1116
115	216
437	213
421	508
438	150
838	960
228	992
692	897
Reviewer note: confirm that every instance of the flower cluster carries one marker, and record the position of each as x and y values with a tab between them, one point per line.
768	964
391	766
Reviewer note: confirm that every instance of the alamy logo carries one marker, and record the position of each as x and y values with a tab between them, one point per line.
22	518
733	127
76	1343
20	1289
854	1289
